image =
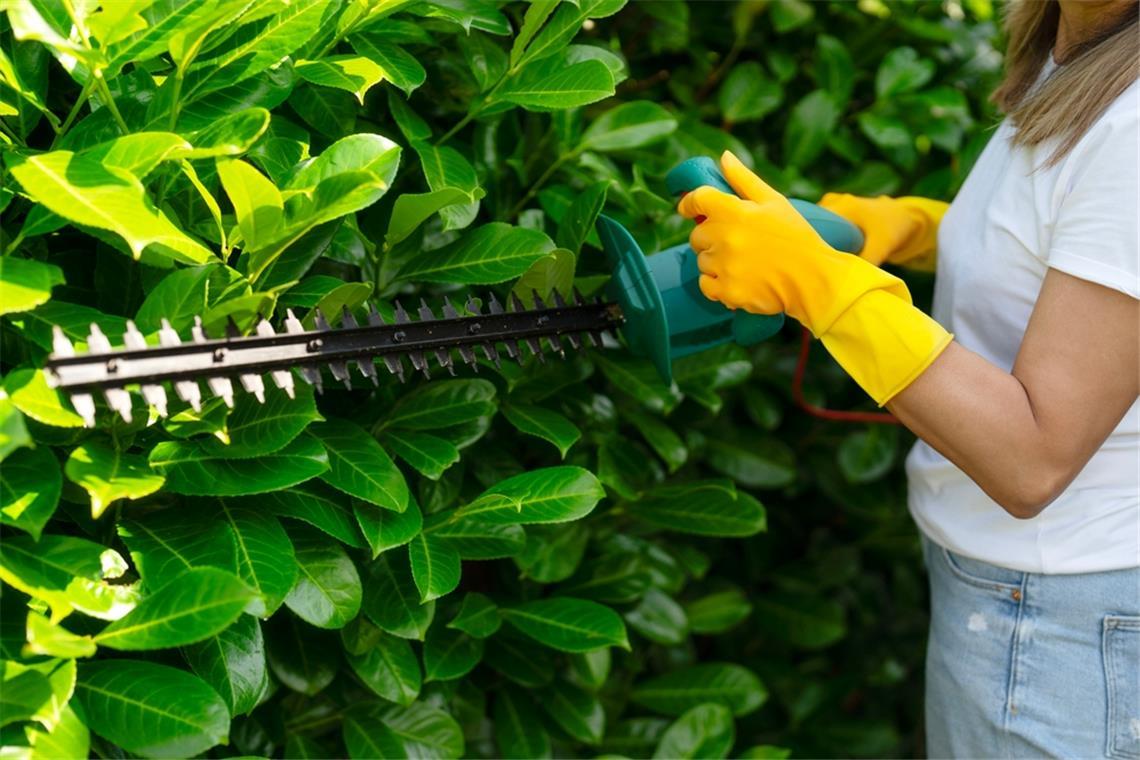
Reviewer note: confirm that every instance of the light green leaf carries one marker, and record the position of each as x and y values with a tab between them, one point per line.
232	135
429	454
149	709
490	254
546	495
568	624
704	731
107	474
233	663
703	508
327	592
384	529
901	71
191	468
397	65
443	404
640	379
390	669
352	73
450	654
446	168
478	616
13	431
29	490
167	543
68	738
543	423
348	295
47	638
536	14
553	272
413	209
83	190
359	466
196	605
66	573
629	125
257	202
265	557
29	392
562	27
25	284
435	566
810	124
733	686
553	86
391	599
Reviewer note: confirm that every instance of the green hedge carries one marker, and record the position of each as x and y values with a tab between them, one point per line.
568	558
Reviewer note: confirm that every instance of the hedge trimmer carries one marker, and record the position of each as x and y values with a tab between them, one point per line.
655	301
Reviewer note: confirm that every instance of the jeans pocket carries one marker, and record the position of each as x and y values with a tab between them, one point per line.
1121	650
982	574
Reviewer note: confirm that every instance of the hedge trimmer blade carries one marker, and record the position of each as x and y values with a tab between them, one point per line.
220	361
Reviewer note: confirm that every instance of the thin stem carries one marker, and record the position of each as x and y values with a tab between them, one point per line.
175	105
458	126
538	183
74	112
12	246
12	135
105	91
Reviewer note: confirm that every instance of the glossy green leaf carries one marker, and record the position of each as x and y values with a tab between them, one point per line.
518	726
748	93
255	429
359	466
443	404
194	469
435	566
418	730
867	456
177	298
476	539
563	25
318	505
490	254
327	592
257	202
231	135
29	490
576	711
384	529
674	693
70	737
396	65
167	543
303	658
810	125
902	70
47	638
630	125
233	663
66	573
366	736
413	209
547	495
571	625
661	438
703	731
551	85
390	669
13	431
107	474
450	654
543	423
552	272
718	612
150	709
391	599
25	284
639	379
430	455
197	604
659	618
446	168
708	508
478	616
265	557
753	461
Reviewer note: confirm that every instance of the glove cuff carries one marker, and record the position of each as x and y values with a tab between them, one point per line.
884	343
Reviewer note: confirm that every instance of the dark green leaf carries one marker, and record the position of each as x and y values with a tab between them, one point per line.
390	669
572	625
703	731
674	693
327	592
450	654
709	508
233	663
359	466
478	616
391	599
29	490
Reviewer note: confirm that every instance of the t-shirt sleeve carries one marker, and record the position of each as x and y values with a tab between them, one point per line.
1096	236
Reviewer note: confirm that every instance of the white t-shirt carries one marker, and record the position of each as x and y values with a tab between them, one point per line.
1014	219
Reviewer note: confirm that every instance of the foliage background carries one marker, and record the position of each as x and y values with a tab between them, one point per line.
751	582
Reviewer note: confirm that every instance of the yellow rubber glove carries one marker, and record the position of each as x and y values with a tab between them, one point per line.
901	231
757	253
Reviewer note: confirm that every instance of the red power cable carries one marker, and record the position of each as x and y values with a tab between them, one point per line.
880	418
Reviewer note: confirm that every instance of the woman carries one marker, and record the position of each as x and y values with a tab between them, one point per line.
1026	480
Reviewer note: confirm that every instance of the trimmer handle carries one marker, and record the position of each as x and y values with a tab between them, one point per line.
836	231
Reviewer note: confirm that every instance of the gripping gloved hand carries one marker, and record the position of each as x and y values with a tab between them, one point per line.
757	253
901	231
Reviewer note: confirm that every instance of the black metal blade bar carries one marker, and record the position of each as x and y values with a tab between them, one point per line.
232	357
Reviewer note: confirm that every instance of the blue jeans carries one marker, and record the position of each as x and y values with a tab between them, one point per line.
1030	665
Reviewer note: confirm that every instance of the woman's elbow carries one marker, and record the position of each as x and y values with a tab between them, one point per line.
1027	497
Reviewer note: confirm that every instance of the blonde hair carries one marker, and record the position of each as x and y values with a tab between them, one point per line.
1074	96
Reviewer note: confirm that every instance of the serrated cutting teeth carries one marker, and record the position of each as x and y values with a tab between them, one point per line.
450	332
218	385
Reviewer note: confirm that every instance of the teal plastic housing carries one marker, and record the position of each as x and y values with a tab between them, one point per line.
666	315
